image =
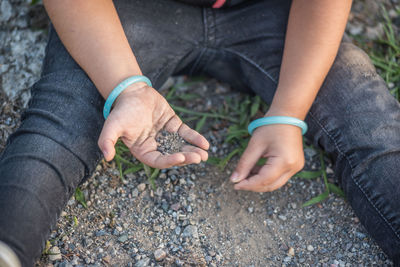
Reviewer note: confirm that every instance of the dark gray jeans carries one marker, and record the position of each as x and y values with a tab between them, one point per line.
354	118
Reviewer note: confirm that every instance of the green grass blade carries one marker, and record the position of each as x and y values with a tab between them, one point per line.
225	160
316	199
255	106
147	170
80	197
201	123
308	174
188	97
335	189
123	160
134	169
119	165
171	93
213	160
153	177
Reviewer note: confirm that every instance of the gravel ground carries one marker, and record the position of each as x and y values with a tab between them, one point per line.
193	217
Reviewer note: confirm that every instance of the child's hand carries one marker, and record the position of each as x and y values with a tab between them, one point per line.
138	114
282	145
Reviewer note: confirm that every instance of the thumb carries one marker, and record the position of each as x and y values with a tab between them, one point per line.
108	138
248	160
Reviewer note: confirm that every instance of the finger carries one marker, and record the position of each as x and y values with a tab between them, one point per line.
173	124
203	154
279	182
108	138
248	160
191	158
267	176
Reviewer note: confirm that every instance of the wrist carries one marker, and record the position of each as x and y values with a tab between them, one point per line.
131	83
285	111
133	89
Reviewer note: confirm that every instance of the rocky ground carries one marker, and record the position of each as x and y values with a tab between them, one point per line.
193	217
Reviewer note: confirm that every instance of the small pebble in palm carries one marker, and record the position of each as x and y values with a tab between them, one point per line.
169	143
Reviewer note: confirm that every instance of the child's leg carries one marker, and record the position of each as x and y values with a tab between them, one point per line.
56	146
354	117
49	155
357	121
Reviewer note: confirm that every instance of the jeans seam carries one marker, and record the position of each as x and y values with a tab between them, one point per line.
157	74
252	62
351	174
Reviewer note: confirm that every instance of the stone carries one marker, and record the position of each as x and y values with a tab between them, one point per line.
123	238
310	248
5	10
141	187
160	254
55	254
143	262
282	217
135	193
291	252
190	231
101	233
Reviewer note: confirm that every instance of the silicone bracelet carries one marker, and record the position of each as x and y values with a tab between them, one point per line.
277	120
119	89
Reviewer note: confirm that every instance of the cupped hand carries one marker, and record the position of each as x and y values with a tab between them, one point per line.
282	146
139	113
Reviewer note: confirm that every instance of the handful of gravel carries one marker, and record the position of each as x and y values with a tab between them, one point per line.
169	143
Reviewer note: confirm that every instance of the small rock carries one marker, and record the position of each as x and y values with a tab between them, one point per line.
177	230
107	259
160	254
250	209
282	217
141	187
6	10
190	231
355	29
176	206
123	238
287	259
208	259
135	193
159	191
100	233
329	170
360	235
143	262
291	252
310	248
55	254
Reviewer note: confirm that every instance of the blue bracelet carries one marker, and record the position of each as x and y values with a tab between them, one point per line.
277	120
119	89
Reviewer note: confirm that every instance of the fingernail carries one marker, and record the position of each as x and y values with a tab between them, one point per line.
235	177
105	153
